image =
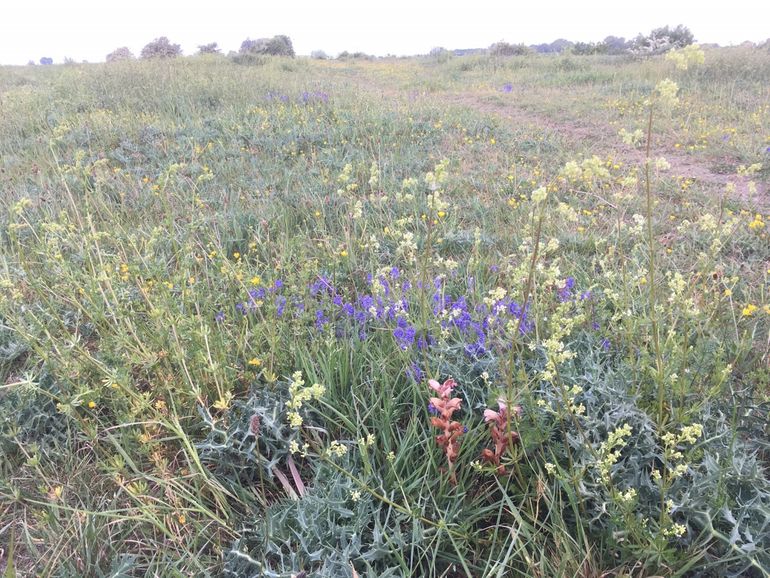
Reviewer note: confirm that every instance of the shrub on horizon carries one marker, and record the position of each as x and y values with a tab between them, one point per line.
161	48
661	40
506	49
122	53
279	45
211	48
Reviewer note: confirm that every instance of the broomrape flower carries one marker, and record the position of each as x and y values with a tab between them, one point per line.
502	435
445	406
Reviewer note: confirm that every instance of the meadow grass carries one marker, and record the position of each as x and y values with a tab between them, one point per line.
225	290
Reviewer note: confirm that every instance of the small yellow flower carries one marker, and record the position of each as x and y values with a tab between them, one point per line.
91	404
757	223
224	402
236	255
441	214
181	518
728	292
749	310
256	362
343	253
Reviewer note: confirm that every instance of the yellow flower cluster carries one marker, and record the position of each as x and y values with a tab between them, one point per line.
690	55
633	139
628	496
610	450
749	310
345	178
587	171
539	195
562	323
437	176
667	91
374	175
671	441
757	223
299	394
748	171
336	449
676	530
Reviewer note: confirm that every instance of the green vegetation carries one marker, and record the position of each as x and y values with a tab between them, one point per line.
459	316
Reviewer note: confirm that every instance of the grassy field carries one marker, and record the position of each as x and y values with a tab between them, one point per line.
467	317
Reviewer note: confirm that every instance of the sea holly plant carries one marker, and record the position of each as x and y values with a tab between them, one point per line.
443	407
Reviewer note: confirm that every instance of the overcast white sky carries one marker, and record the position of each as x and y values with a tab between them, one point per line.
89	29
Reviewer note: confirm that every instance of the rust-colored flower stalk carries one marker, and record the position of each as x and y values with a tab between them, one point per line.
443	407
502	435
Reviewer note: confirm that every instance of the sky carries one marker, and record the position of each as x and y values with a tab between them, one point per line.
89	29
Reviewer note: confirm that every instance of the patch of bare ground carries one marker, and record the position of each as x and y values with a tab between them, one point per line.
602	139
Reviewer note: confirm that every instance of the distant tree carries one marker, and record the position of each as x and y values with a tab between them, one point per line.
319	55
69	61
345	55
211	48
276	46
586	48
616	45
440	54
662	40
555	47
280	46
46	60
161	48
507	49
560	45
30	63
122	53
250	46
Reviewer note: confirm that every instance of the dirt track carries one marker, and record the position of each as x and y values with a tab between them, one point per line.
603	140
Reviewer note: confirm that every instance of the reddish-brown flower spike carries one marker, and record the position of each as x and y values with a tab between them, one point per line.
445	406
499	431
